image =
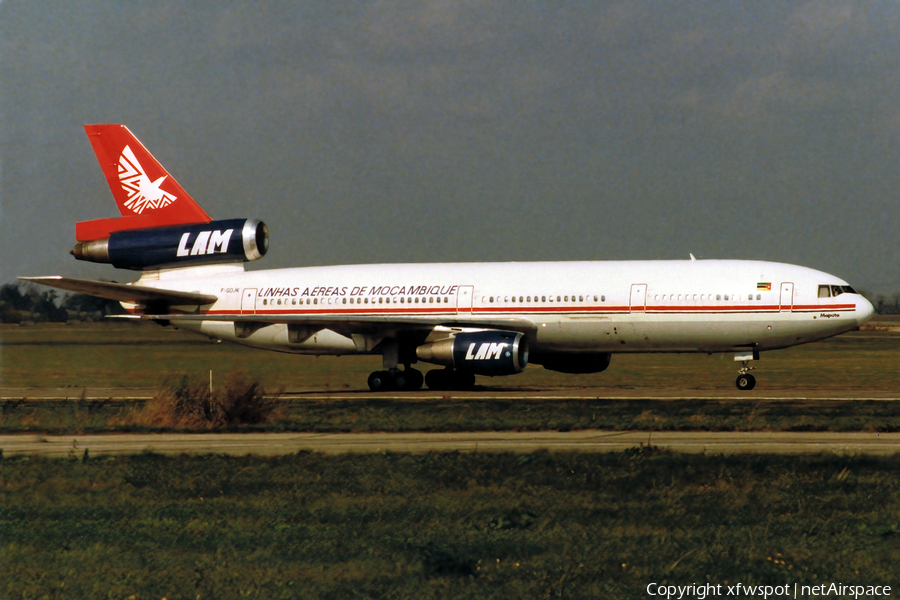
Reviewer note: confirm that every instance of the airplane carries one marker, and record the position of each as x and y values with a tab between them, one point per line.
468	319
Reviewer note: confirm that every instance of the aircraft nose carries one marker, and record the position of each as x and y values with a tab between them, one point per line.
864	310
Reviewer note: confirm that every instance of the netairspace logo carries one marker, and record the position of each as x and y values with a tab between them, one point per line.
708	590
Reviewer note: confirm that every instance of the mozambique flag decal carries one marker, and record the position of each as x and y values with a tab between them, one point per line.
764	287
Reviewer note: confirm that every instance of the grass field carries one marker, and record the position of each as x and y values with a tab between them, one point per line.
442	525
144	355
125	355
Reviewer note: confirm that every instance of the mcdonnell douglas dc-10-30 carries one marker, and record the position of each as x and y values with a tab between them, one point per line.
469	318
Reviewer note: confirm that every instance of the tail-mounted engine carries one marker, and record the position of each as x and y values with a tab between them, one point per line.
228	241
481	352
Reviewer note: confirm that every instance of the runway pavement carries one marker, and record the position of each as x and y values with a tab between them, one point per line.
499	393
274	444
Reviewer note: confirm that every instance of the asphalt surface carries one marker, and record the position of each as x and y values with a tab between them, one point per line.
561	393
275	444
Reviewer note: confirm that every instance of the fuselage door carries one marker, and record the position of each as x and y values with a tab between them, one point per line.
638	301
464	299
787	297
248	301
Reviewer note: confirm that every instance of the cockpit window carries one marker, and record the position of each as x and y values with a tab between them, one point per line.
830	291
837	290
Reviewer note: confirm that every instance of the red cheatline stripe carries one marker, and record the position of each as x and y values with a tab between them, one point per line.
590	310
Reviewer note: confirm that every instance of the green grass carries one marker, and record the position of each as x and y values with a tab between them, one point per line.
143	355
127	355
473	414
442	525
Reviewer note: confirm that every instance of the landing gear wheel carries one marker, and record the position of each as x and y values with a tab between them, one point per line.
745	382
438	379
408	380
380	381
413	380
464	381
448	379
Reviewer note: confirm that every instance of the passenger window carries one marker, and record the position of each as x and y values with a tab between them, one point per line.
520	298
718	296
602	298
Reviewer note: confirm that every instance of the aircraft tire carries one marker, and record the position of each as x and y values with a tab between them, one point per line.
437	379
745	382
413	380
463	380
380	381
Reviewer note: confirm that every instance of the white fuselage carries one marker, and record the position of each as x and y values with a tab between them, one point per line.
608	306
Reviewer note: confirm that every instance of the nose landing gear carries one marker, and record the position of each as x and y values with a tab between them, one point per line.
745	381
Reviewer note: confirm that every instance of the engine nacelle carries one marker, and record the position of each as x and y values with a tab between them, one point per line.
480	352
228	241
575	362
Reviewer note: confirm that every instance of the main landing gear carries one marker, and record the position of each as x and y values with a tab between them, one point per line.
449	379
408	380
391	378
745	381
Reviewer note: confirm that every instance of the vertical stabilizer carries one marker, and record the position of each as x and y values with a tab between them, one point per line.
147	196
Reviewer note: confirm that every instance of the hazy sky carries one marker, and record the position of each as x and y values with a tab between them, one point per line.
469	131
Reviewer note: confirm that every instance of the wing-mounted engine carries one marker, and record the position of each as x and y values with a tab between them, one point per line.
481	352
216	242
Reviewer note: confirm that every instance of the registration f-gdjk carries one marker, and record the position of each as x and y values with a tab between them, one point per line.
468	319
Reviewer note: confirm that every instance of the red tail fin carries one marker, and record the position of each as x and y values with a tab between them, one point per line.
146	194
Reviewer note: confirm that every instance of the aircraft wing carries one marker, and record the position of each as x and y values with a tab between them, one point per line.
360	323
124	292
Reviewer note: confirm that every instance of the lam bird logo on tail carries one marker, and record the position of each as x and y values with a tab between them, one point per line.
142	193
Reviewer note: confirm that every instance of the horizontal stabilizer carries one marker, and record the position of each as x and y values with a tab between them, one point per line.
123	292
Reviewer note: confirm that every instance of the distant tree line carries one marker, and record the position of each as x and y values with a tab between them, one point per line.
22	303
887	306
